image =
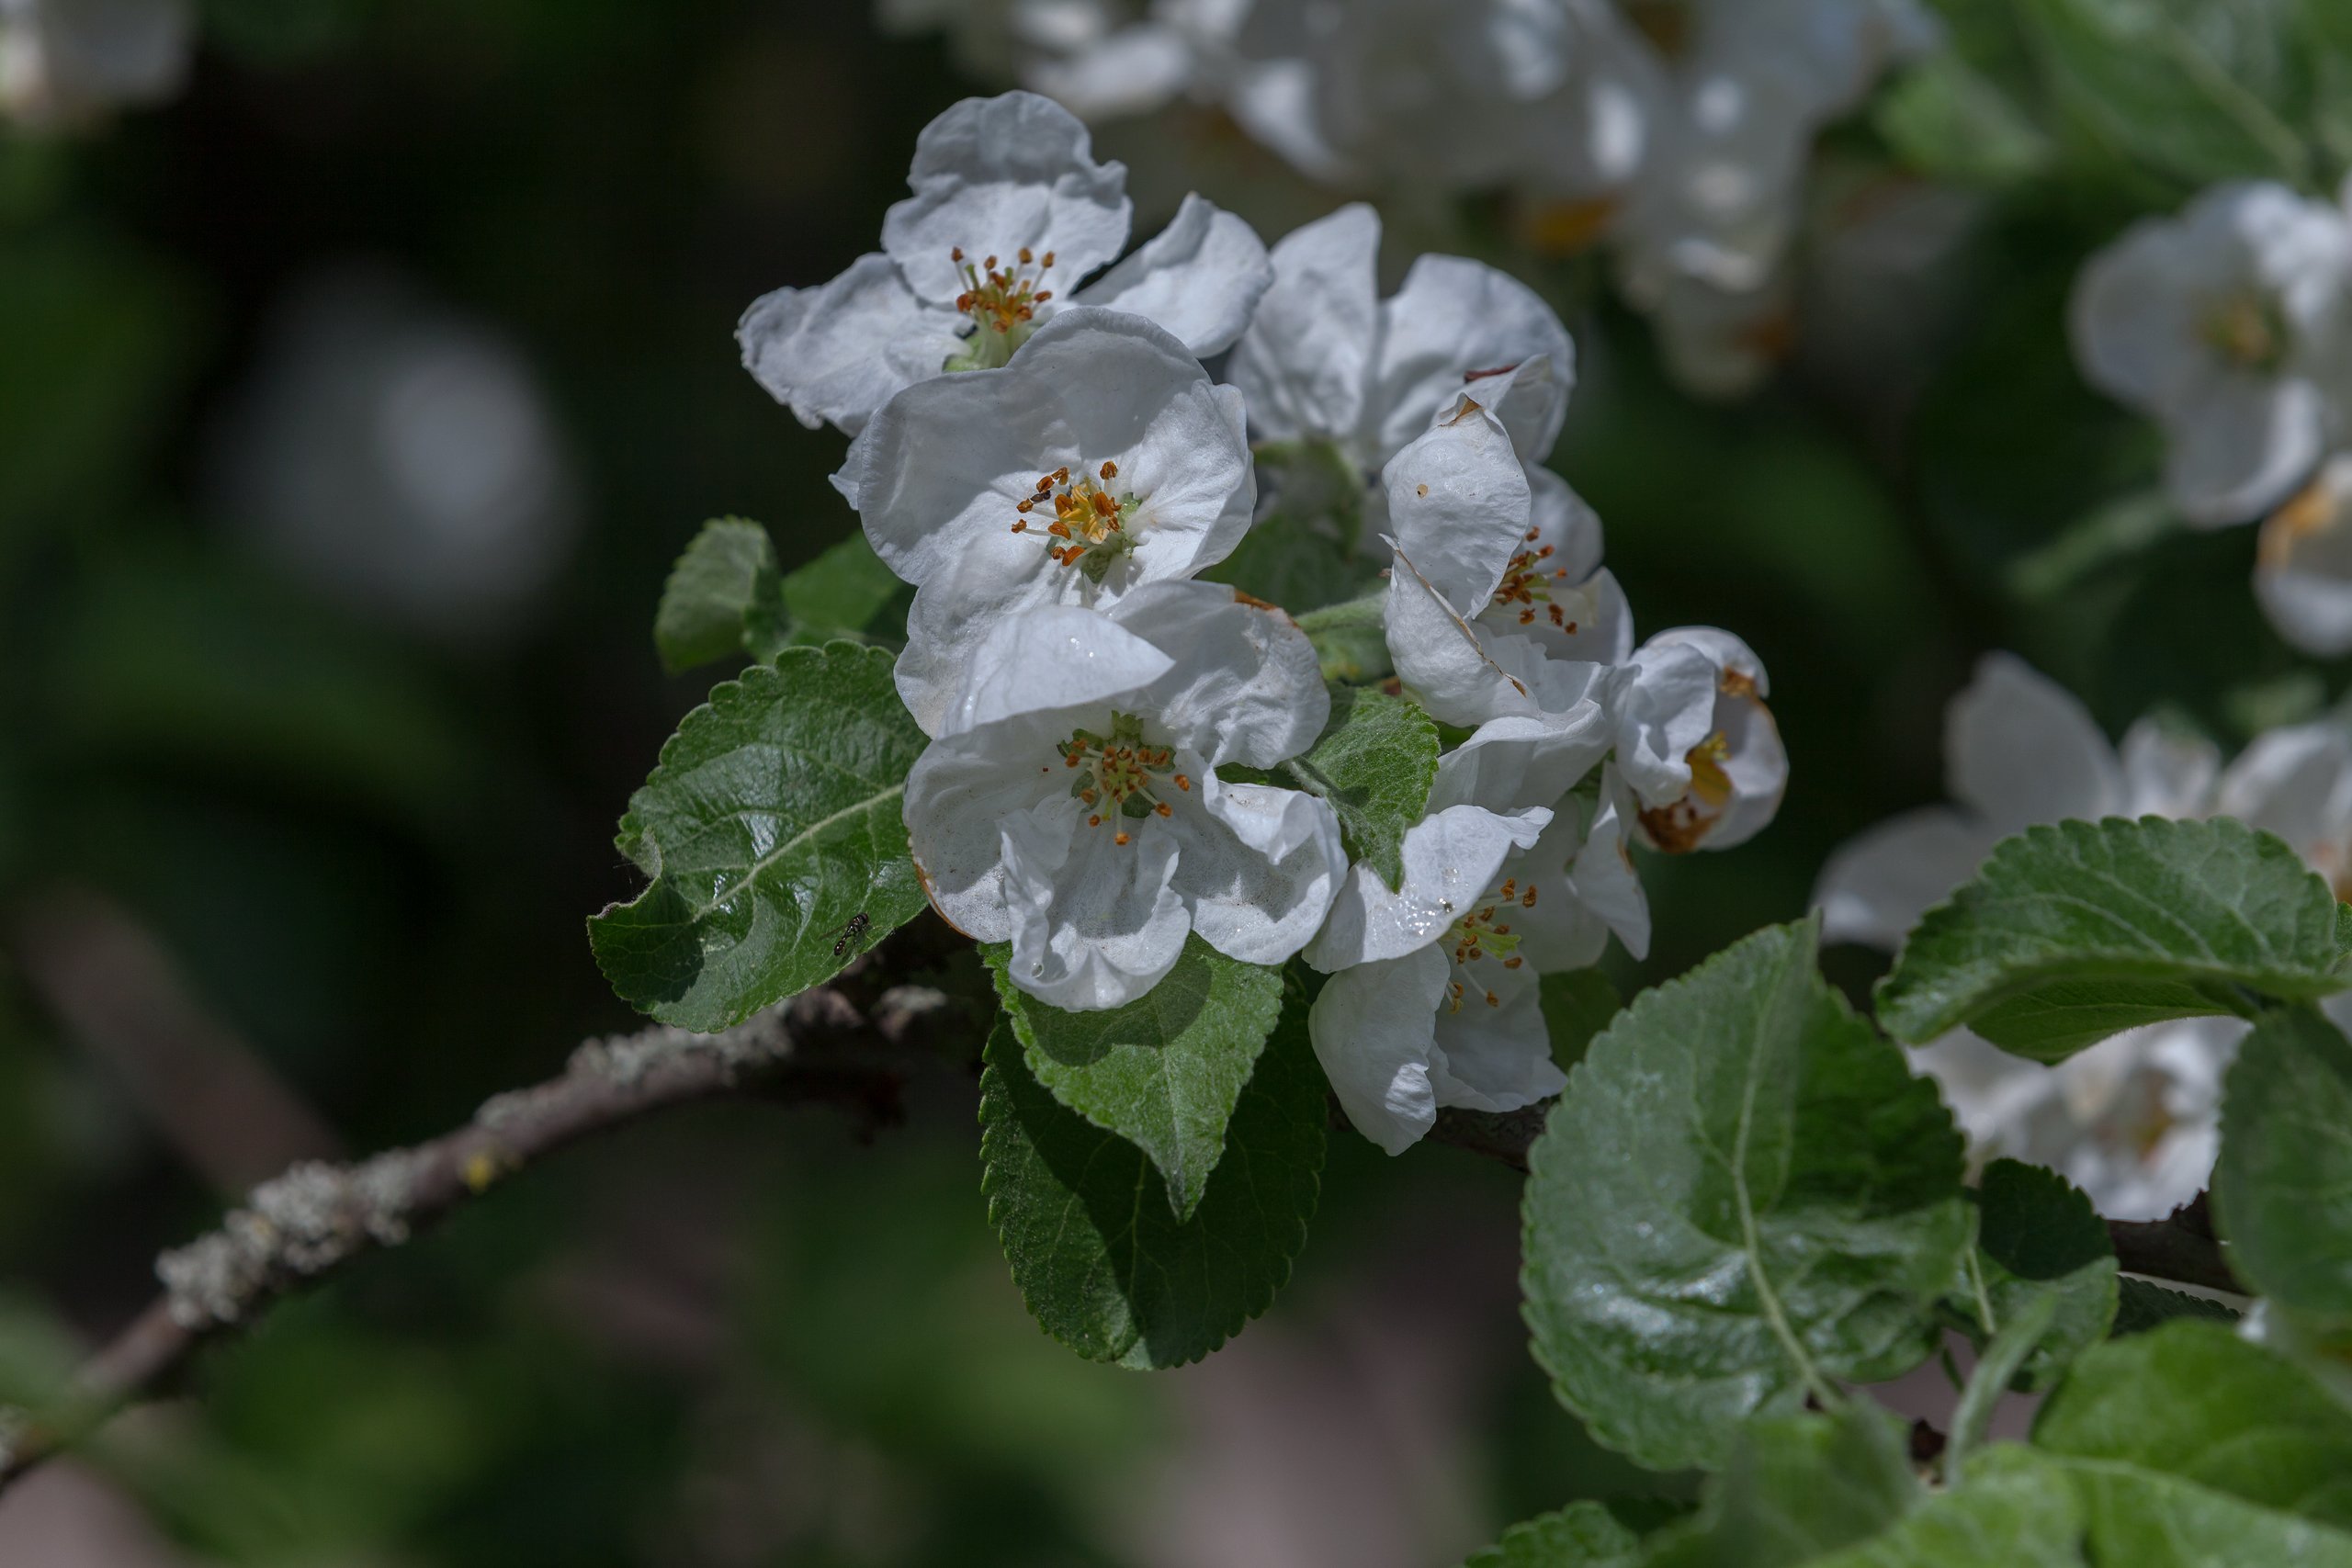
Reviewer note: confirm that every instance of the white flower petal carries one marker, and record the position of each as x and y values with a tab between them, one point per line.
835	354
1201	278
1306	361
2303	574
958	792
1260	880
1756	763
1047	661
2167	773
1243	684
1451	857
1453	319
1563	520
2020	748
1374	1030
2242	444
1459	502
1603	879
1877	884
1096	922
1499	1056
991	175
1664	711
1523	759
1443	659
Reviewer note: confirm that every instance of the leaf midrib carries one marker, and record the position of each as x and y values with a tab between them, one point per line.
753	872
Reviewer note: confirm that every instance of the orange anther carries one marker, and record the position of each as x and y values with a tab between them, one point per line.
1119	838
1110	470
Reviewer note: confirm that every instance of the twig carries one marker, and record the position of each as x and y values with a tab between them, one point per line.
2181	1247
302	1225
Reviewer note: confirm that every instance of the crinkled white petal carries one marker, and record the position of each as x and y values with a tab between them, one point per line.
1603	877
1667	708
835	354
2303	573
1459	502
1495	1056
1757	764
1374	1030
1243	684
1523	759
1096	923
1563	520
1453	319
1259	869
1596	623
1723	649
991	175
2020	748
1451	857
1307	359
959	793
1041	661
1443	659
945	463
1201	278
1877	884
2241	443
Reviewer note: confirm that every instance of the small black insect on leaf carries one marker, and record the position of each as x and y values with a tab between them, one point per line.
853	932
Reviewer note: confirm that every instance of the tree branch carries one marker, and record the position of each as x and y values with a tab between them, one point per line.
2181	1247
304	1225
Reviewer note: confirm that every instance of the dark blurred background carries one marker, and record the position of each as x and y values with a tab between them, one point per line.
353	407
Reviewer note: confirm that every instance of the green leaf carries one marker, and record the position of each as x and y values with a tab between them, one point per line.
2193	89
2072	933
2190	1446
1374	762
1351	639
2037	1238
1577	1005
2003	1360
1949	121
2141	1307
1087	1227
714	584
2282	1190
1742	1197
1163	1072
846	593
1583	1535
2025	1516
1796	1487
1305	553
771	825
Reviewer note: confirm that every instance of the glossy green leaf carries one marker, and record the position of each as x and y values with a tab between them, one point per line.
1796	1487
1374	764
1742	1196
1163	1072
717	581
1088	1229
770	826
2189	1447
2037	1237
2072	933
1583	1535
2023	1517
2282	1190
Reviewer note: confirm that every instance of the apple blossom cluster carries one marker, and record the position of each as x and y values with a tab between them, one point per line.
1053	444
2230	325
2133	1121
1676	132
66	61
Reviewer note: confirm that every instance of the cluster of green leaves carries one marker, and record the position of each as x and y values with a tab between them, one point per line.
1745	1203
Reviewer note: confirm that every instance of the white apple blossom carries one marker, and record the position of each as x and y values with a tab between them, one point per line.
1070	804
64	61
1696	743
1495	605
1009	213
1433	999
2227	326
2132	1120
1099	459
2302	573
1326	359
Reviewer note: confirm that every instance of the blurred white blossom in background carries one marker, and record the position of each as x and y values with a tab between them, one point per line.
2134	1119
402	457
65	63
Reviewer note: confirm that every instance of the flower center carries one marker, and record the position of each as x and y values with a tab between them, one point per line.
2247	329
1482	934
1002	302
1527	583
1091	525
1120	774
1677	828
